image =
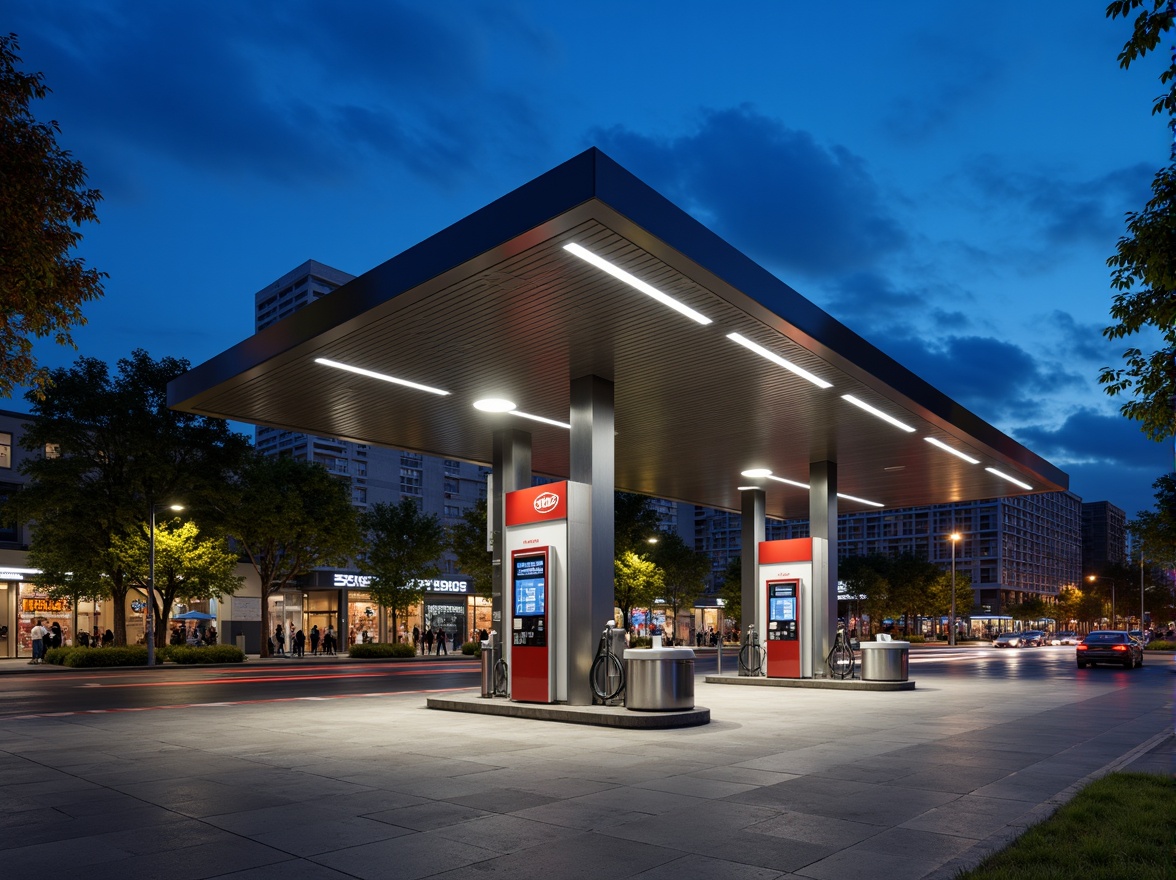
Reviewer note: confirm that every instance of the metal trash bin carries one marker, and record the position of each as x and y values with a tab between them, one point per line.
489	657
659	679
885	661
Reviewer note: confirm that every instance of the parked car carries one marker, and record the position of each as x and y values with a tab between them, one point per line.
1064	637
1109	646
1009	640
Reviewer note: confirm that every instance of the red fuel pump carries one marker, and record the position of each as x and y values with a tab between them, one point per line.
783	647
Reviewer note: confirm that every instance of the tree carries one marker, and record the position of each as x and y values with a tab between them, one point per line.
403	546
1155	530
731	590
1143	269
634	523
42	202
289	516
188	567
684	573
467	541
109	449
637	582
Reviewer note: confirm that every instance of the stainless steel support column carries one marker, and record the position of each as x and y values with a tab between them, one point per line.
590	557
512	470
823	530
752	525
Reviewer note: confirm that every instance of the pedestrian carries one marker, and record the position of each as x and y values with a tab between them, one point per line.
55	640
416	639
428	640
210	636
314	639
329	640
441	643
107	639
38	634
300	643
280	641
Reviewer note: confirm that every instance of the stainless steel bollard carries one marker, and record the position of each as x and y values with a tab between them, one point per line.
488	659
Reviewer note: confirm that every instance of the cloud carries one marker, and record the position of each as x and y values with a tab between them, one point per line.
291	91
788	200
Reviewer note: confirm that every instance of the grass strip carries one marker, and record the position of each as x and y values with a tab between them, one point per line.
1120	827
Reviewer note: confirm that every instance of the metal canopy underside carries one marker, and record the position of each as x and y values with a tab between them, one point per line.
495	307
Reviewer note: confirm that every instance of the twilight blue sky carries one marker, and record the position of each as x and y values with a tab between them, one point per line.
946	178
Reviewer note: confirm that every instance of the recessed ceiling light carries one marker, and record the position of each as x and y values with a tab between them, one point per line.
955	452
1012	480
635	282
494	405
746	488
776	359
383	377
755	472
893	468
861	404
860	500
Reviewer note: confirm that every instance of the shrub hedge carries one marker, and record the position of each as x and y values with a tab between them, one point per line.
136	655
208	654
380	651
1161	645
472	649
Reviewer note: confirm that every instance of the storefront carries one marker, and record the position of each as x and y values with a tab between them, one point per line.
343	600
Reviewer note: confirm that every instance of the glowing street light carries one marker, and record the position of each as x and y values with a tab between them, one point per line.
954	537
151	582
1095	577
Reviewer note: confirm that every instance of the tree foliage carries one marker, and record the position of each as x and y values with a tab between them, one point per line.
637	583
108	449
634	523
731	589
43	201
467	540
188	566
289	516
684	572
404	545
1143	269
1155	530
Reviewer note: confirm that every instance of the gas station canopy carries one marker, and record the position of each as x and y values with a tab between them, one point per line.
718	367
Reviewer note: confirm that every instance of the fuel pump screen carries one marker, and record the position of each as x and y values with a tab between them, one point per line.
782	612
530	585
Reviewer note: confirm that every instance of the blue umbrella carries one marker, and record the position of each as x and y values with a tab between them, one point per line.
193	615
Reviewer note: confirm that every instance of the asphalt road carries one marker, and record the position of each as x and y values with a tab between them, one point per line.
40	691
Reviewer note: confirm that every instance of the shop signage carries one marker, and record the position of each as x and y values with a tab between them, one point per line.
11	576
138	605
43	605
433	585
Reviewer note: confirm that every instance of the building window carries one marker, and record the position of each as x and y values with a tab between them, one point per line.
410	481
452	510
5	450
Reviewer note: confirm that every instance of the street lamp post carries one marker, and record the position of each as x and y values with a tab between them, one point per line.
954	537
1141	589
1092	578
151	584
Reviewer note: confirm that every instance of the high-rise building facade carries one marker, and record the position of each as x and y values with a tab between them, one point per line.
1013	548
1104	536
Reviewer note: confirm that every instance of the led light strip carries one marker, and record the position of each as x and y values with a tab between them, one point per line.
1012	480
546	421
954	452
861	404
860	500
765	473
381	376
776	359
635	282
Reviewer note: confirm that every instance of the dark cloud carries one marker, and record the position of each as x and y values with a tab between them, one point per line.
289	91
788	200
871	303
1107	457
1053	209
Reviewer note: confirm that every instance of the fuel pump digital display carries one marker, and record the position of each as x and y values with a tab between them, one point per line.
782	612
529	582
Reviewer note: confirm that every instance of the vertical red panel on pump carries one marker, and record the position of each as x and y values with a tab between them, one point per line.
783	635
530	588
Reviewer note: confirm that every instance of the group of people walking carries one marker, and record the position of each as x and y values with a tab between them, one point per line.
424	643
325	639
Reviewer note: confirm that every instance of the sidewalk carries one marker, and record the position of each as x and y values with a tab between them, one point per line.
811	784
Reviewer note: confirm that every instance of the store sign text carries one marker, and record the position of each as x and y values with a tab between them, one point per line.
35	604
363	581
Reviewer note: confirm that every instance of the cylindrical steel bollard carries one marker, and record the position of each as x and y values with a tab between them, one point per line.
488	659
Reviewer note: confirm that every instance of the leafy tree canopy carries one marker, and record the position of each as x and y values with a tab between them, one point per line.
289	516
1143	269
634	523
684	572
108	449
467	540
404	545
1155	530
43	200
637	583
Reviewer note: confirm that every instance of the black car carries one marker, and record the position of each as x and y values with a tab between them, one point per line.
1035	638
1110	646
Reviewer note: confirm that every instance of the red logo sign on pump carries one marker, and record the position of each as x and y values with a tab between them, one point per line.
537	504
